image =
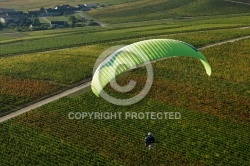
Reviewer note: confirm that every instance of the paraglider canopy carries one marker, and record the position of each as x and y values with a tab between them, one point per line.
140	53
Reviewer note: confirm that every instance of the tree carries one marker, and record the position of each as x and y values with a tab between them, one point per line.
1	25
93	23
73	20
83	19
42	9
35	20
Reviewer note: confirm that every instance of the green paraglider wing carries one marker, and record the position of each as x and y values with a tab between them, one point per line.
140	53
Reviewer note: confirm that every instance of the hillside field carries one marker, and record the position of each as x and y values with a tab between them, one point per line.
37	4
162	9
214	128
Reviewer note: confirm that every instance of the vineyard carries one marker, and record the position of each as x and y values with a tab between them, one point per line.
73	39
16	92
37	4
67	64
208	132
63	66
215	116
162	9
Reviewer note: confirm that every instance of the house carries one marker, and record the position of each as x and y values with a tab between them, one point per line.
80	6
6	19
15	19
10	16
35	13
14	13
42	13
85	8
66	8
58	24
4	10
12	24
22	18
63	7
53	12
91	5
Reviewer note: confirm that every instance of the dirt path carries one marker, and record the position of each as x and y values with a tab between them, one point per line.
45	101
244	3
45	19
84	86
224	42
83	14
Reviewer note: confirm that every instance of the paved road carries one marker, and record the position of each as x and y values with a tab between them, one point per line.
83	86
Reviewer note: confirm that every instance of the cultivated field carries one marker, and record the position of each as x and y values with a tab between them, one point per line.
37	4
214	126
162	9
